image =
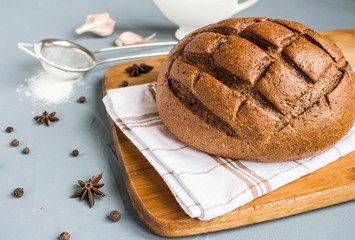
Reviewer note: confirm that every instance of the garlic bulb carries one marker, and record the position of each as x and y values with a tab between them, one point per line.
130	38
99	24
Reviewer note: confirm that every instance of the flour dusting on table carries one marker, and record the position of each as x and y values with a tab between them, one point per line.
48	88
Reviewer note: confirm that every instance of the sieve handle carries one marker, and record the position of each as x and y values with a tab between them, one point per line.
133	57
26	48
141	45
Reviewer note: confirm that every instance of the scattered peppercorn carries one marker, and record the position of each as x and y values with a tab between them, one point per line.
75	153
9	129
15	143
25	150
124	83
81	99
114	216
64	236
18	192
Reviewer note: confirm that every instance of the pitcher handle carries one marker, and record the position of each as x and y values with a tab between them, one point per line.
241	6
26	48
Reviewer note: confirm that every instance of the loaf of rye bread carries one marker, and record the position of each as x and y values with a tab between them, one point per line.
257	89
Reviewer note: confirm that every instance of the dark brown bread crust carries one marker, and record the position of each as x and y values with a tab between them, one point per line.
258	89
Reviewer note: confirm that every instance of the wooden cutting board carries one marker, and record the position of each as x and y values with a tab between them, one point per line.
158	209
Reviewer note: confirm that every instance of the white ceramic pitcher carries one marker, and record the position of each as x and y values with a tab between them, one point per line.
192	14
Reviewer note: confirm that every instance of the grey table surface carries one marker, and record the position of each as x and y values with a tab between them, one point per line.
48	174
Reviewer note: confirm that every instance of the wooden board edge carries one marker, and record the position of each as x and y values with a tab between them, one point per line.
156	224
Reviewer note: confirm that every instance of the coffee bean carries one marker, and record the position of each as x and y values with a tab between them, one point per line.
15	143
124	83
64	236
82	99
75	153
18	192
114	216
9	129
25	150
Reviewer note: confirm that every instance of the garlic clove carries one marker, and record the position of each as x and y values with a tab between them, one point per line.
131	38
100	24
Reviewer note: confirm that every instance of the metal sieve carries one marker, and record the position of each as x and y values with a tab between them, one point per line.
70	60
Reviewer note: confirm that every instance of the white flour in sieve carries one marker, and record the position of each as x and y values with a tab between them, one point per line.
48	88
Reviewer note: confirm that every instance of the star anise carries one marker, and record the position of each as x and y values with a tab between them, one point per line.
136	70
46	118
89	189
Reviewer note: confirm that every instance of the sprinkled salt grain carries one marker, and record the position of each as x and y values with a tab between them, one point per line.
48	88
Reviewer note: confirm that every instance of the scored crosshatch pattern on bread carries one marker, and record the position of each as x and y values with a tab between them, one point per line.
237	71
251	78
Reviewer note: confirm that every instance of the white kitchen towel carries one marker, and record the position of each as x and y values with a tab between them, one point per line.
205	186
